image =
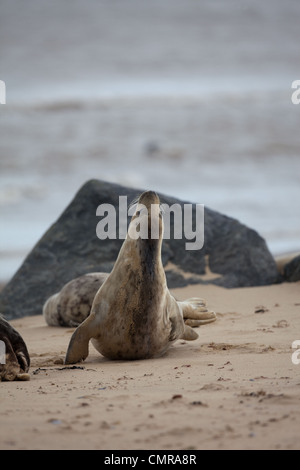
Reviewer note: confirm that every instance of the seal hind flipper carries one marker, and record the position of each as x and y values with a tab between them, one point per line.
195	312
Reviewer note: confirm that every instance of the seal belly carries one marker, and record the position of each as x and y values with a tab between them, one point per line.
134	335
135	326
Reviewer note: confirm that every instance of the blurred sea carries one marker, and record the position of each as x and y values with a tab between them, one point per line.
189	98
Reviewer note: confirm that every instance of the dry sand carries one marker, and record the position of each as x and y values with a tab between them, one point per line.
234	388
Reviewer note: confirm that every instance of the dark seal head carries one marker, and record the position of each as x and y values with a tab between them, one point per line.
15	360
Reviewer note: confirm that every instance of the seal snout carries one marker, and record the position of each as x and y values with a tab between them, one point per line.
146	222
150	201
149	197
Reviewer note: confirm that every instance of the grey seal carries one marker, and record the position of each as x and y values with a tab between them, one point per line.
133	315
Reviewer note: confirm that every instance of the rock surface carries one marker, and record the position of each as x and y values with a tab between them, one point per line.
236	254
291	272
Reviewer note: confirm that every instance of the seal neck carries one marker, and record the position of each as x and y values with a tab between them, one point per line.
144	257
150	258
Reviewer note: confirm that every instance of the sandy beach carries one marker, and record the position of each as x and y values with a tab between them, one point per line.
235	387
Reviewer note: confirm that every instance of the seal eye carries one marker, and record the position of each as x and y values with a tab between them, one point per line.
137	213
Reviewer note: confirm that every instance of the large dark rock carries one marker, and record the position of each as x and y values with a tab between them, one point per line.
237	254
291	272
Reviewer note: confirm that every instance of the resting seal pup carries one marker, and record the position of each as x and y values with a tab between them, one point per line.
16	358
133	314
72	305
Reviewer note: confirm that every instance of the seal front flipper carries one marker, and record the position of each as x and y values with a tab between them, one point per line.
78	349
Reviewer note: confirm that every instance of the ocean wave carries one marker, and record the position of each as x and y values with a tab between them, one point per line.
74	96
